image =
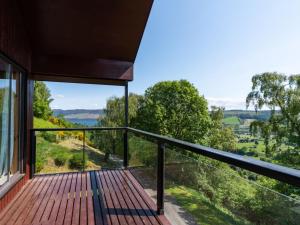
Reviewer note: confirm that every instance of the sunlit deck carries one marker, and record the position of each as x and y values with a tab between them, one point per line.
97	197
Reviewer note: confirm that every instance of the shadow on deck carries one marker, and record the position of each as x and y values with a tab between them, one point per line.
112	197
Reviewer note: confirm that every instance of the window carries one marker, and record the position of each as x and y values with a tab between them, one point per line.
10	105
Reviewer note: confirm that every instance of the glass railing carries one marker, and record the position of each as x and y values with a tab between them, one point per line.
211	192
142	156
189	183
206	186
73	150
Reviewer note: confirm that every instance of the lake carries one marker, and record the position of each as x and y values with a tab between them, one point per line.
86	122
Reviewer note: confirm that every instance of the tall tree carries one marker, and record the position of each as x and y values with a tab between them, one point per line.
41	100
174	108
111	141
281	94
219	136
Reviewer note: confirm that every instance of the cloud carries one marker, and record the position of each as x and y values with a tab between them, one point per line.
58	96
228	103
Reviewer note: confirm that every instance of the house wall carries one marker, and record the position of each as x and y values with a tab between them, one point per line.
15	45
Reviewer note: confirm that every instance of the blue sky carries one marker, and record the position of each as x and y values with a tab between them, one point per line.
218	45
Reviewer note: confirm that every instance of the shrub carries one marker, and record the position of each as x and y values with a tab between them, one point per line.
76	161
60	160
39	165
49	136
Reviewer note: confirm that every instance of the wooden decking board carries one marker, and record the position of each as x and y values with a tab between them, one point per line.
109	203
98	215
14	205
43	194
161	218
26	206
106	197
121	213
122	189
90	208
102	203
146	216
129	214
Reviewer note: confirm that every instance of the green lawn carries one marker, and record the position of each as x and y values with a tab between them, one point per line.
204	212
40	123
233	120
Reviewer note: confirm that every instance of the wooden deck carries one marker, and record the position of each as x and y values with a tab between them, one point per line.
112	197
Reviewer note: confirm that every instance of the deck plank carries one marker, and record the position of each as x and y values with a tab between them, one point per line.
105	197
26	206
143	210
90	207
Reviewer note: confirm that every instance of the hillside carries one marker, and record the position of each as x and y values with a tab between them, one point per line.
79	113
248	114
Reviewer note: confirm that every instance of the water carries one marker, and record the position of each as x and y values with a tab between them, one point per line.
86	122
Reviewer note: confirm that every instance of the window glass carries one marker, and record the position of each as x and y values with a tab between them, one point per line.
15	129
4	120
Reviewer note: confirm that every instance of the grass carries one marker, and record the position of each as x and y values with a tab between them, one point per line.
203	211
233	120
40	123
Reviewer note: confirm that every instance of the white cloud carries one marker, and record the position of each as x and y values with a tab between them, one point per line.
228	103
59	96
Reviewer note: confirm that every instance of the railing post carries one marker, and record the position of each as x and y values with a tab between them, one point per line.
160	177
83	151
125	160
32	153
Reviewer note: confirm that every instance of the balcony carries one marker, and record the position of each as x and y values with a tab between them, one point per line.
133	191
96	197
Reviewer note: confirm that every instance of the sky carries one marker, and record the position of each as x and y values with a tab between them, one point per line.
217	45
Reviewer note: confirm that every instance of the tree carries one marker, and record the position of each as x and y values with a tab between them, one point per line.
41	101
281	94
110	141
220	137
176	109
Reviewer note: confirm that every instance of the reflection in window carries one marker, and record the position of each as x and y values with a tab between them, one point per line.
9	121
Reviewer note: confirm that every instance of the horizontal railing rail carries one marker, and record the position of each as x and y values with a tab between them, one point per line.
285	174
281	173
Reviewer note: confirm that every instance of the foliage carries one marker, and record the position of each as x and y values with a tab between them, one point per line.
60	160
203	210
77	162
176	109
111	141
41	100
276	91
220	137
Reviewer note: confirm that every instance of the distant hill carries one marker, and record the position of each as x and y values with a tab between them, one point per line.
248	114
79	113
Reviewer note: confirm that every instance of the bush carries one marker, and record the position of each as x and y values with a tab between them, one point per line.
76	161
49	136
39	165
60	160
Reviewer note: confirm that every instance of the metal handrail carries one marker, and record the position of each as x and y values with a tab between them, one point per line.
281	173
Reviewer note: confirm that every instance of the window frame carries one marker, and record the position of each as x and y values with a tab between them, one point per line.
22	124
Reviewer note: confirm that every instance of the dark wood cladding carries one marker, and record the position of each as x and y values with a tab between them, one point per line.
107	29
13	37
14	44
67	69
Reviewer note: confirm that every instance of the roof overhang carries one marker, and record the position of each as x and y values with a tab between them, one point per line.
94	39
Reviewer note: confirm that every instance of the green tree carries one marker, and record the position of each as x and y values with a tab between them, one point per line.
111	141
281	94
41	101
176	109
220	137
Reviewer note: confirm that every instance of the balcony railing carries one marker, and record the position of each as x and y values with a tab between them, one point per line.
171	155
